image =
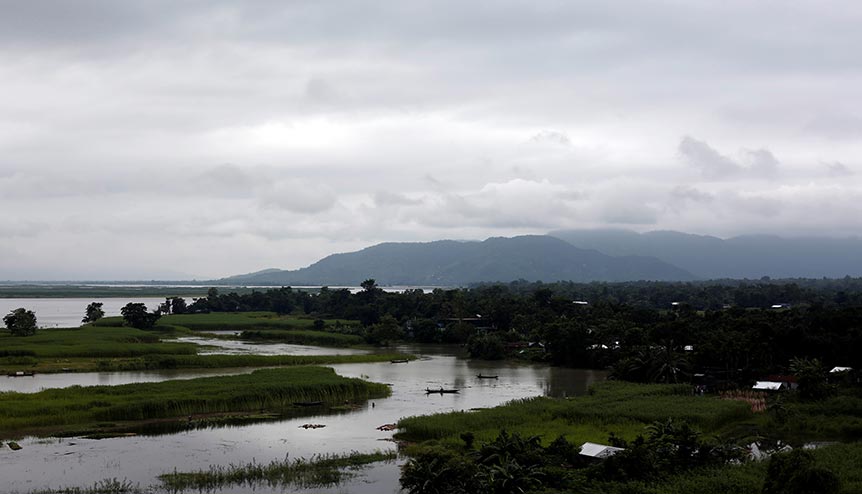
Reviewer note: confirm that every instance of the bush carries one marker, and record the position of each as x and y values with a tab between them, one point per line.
796	473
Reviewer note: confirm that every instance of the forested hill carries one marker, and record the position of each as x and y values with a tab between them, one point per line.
451	263
751	256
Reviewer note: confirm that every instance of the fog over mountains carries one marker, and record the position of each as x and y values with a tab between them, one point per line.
578	255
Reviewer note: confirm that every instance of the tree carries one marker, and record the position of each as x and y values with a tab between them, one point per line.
21	322
136	316
385	331
369	285
93	312
812	378
486	346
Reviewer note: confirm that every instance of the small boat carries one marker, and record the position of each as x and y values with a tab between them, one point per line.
399	361
21	374
441	391
312	426
307	403
480	376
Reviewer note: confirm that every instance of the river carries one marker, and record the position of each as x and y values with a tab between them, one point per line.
69	462
68	312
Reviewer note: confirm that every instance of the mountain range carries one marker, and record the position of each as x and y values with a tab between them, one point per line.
577	255
454	263
748	256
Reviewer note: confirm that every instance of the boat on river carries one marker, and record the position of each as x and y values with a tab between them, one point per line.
480	376
441	391
399	361
307	403
21	374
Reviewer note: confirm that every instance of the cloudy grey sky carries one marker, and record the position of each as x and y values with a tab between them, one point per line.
207	138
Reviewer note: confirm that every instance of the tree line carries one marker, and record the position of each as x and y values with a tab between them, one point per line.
642	331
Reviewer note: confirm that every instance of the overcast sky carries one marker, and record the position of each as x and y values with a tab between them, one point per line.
207	138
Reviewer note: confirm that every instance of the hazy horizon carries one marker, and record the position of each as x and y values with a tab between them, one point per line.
165	140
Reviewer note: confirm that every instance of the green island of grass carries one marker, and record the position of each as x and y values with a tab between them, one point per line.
110	346
275	391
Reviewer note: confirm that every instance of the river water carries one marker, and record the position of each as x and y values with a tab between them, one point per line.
68	312
56	463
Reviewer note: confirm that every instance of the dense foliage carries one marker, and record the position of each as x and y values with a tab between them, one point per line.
733	331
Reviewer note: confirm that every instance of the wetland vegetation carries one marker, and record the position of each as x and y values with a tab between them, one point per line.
55	411
320	471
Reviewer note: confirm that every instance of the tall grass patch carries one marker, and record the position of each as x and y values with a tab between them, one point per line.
319	471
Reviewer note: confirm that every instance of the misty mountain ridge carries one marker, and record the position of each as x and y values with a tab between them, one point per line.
458	263
745	256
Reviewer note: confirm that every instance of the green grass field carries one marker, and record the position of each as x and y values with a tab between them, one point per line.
241	321
267	390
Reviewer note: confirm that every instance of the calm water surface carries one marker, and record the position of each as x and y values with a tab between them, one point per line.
55	463
68	312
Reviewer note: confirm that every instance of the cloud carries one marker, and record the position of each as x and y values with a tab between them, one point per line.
515	204
219	135
551	137
703	157
837	125
689	193
386	198
838	169
298	196
760	163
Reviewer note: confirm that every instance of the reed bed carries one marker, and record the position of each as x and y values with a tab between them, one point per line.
106	486
319	471
755	399
272	390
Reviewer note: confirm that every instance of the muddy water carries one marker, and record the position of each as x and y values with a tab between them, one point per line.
58	463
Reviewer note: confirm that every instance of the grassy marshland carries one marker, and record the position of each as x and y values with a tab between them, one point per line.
271	390
320	471
611	407
91	341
